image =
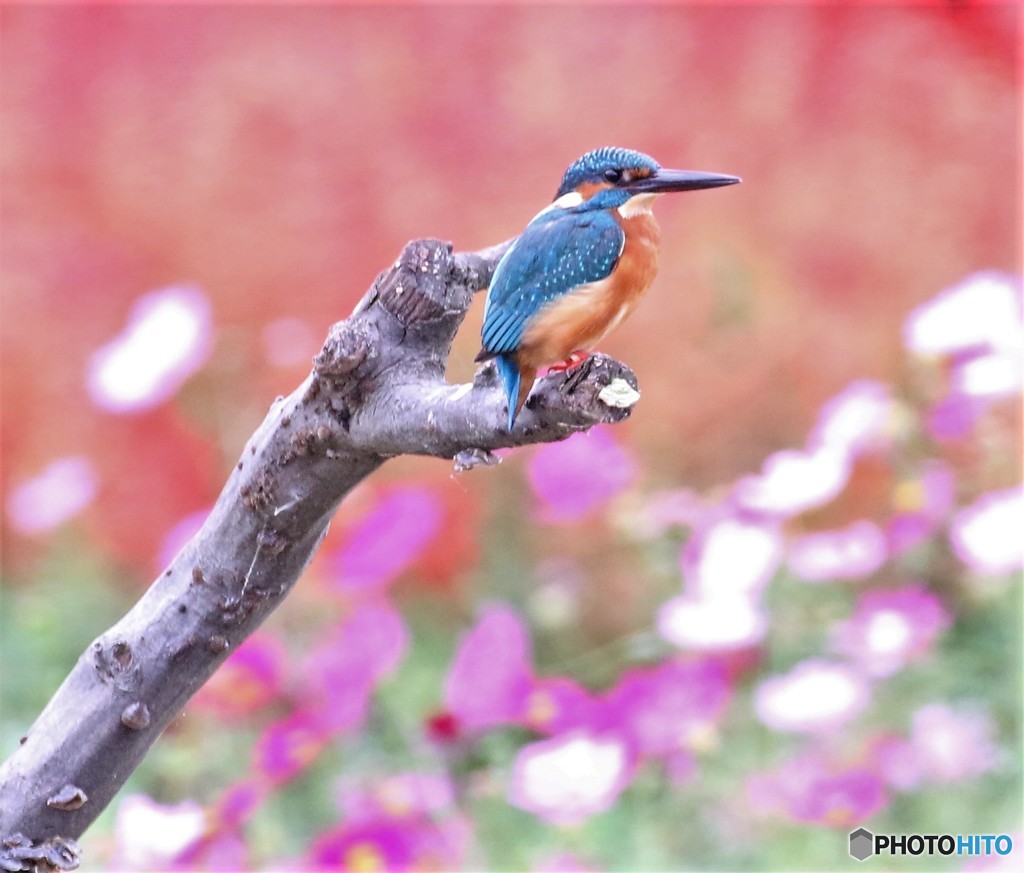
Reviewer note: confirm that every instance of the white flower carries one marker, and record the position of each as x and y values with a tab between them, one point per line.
814	696
166	340
570	777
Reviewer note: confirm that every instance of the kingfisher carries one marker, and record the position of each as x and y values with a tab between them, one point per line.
580	267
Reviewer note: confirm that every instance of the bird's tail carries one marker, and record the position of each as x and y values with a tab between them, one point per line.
508	369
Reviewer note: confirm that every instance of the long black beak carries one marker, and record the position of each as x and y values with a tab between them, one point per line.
663	180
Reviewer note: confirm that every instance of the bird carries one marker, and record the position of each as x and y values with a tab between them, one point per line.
580	266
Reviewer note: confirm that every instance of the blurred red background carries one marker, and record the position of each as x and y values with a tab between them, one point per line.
279	157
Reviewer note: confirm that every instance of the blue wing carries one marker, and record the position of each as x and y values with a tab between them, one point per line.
559	251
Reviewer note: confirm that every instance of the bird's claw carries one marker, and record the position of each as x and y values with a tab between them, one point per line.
574	360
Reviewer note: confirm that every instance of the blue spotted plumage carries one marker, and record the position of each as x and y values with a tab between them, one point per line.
579	267
555	254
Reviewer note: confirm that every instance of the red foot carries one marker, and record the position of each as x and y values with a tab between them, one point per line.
574	360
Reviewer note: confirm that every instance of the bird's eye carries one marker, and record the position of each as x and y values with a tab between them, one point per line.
613	175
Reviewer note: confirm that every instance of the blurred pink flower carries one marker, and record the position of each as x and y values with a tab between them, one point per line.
953	417
951	745
945	745
891	628
248	680
570	777
815	696
288	746
667	709
388	539
150	836
59	492
986	535
921	504
848	553
237	804
491	676
814	790
665	510
341	674
579	475
397	796
168	338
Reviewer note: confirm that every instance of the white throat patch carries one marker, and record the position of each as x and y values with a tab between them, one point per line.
638	205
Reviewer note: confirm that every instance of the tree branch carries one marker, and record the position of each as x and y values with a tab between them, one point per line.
377	390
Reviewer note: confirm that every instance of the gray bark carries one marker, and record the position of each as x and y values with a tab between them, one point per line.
377	390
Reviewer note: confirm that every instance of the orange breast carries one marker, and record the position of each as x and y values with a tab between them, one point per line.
582	318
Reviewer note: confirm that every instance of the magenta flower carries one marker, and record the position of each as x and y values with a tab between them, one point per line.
418	836
849	553
668	709
388	539
986	535
168	338
953	417
557	704
60	492
891	628
570	777
248	680
814	790
288	746
491	677
579	475
381	845
815	696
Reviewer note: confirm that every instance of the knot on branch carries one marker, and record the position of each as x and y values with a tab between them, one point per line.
345	348
18	852
115	663
416	288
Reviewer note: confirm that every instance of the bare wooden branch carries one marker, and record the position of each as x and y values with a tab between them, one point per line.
377	390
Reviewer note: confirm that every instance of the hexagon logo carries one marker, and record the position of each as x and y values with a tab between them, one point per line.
862	844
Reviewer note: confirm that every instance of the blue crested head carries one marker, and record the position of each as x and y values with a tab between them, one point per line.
607	166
